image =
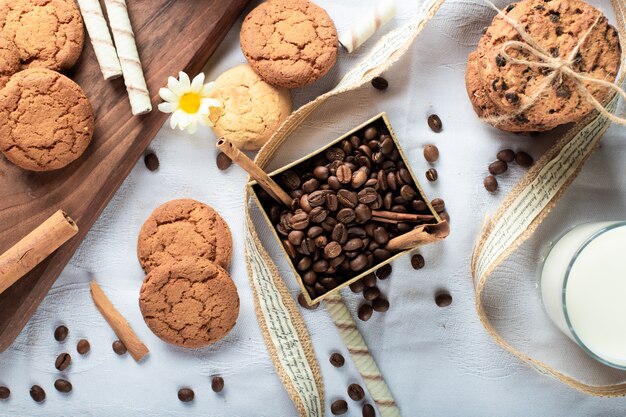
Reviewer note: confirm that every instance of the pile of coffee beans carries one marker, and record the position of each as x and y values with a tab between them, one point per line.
501	165
331	233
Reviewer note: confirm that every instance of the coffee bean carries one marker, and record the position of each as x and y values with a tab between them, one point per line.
63	385
491	183
417	261
353	244
60	333
295	237
368	410
445	216
371	294
379	253
321	173
333	183
405	175
186	395
291	180
358	179
316	198
407	193
359	263
329	283
83	346
438	205
383	272
498	167
419	205
344	174
335	154
443	299
380	235
523	159
380	83
299	221
392	182
337	360
339	407
347	199
431	175
362	213
506	155
217	383
367	195
289	248
332	250
365	312
37	393
317	215
223	161
63	361
310	277
151	161
302	301
431	153
434	122
357	286
5	393
322	265
356	392
310	186
371	133
369	280
119	347
380	304
365	150
346	215
308	246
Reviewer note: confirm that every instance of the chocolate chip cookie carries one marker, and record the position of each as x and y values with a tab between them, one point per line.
46	121
289	43
182	228
190	302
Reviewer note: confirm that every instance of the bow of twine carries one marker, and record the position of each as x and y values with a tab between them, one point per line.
561	67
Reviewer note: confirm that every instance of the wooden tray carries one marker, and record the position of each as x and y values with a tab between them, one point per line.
171	36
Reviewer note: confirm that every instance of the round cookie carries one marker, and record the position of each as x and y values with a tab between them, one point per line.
557	25
46	121
47	33
9	60
289	43
182	228
252	109
191	302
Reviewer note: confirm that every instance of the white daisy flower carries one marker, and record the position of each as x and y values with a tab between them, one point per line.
188	101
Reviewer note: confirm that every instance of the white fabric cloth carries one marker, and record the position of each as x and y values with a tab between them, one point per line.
437	361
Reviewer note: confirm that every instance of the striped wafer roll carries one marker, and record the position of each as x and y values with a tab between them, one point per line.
360	354
100	38
129	57
383	12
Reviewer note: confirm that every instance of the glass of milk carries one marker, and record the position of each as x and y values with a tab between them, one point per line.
583	287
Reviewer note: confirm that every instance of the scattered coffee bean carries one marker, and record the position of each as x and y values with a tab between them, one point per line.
417	261
368	410
151	161
60	333
217	384
365	312
431	175
498	167
339	407
443	299
223	161
186	395
63	361
37	393
302	301
5	393
337	360
434	122
356	392
63	385
431	153
371	294
491	183
380	304
119	347
506	155
438	205
357	286
383	272
380	83
83	346
369	280
523	159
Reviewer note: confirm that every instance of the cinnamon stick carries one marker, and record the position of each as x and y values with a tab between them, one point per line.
118	323
402	217
255	171
35	247
421	235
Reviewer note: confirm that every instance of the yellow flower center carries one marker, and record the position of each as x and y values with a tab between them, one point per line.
190	102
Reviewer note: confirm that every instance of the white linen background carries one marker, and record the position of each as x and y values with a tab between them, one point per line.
437	361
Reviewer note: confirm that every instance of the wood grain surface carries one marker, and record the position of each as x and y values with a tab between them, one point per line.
172	35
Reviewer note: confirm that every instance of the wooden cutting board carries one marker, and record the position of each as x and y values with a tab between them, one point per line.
172	35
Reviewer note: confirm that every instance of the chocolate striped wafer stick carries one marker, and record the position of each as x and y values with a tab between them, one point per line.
361	357
100	38
129	57
383	12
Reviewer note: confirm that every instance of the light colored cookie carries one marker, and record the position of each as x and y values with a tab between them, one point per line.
191	302
252	109
289	43
9	60
47	33
183	228
46	121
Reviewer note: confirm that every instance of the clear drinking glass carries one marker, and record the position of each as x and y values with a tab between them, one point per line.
583	289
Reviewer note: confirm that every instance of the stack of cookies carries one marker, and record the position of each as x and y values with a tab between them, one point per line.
520	97
187	298
46	121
